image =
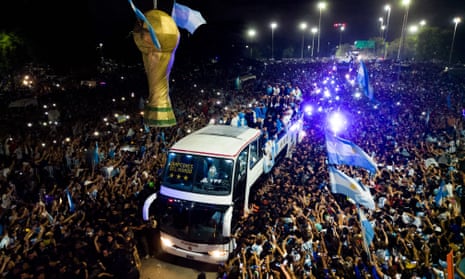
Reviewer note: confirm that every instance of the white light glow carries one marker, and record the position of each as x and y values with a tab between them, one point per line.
218	253
166	242
337	122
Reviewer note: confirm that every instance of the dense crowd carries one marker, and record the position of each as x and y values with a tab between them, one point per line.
414	131
72	192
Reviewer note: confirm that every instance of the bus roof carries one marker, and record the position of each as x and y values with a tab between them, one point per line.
216	141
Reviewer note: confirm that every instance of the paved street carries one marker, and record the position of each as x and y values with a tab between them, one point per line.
170	267
174	268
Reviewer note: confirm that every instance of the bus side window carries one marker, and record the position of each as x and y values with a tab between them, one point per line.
241	166
254	156
239	186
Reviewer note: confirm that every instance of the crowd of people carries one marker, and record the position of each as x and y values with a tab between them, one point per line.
72	191
414	130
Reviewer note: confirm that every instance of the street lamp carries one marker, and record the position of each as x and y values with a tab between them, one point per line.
100	50
387	8
341	29
321	6
273	26
381	27
302	27
251	34
314	31
457	20
413	29
405	3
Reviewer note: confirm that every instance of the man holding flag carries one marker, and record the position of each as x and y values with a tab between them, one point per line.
343	184
344	152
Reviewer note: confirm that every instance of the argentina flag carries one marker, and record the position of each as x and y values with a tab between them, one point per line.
363	80
441	193
343	184
344	152
368	231
187	18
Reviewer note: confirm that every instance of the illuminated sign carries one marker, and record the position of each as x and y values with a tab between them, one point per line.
179	167
364	44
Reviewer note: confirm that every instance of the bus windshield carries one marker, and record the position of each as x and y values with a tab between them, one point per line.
191	221
198	174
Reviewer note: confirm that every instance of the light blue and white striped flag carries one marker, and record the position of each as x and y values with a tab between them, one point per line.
142	17
343	184
187	18
364	81
440	194
367	227
72	208
345	152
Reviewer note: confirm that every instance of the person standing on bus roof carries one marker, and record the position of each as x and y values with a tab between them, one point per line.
276	90
238	120
260	113
269	90
250	117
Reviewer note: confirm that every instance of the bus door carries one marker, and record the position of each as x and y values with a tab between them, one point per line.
239	188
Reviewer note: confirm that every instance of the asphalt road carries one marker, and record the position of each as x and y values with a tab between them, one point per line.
170	267
165	266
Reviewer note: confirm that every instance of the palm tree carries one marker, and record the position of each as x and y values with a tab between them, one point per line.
9	42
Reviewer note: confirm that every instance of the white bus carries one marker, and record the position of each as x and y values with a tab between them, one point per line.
206	186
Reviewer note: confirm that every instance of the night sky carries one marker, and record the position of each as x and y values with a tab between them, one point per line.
61	30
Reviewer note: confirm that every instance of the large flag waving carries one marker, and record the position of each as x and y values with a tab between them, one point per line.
142	17
187	18
367	227
344	152
343	184
364	81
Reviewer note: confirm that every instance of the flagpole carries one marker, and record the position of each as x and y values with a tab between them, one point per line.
365	245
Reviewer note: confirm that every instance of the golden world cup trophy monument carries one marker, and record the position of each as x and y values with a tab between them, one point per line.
158	62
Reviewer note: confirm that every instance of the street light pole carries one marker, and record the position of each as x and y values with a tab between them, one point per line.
413	29
404	26
321	6
100	49
273	25
386	30
341	29
251	33
387	8
303	26
314	30
381	27
456	22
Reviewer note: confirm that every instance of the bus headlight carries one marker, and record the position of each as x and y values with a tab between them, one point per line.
166	242
218	253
